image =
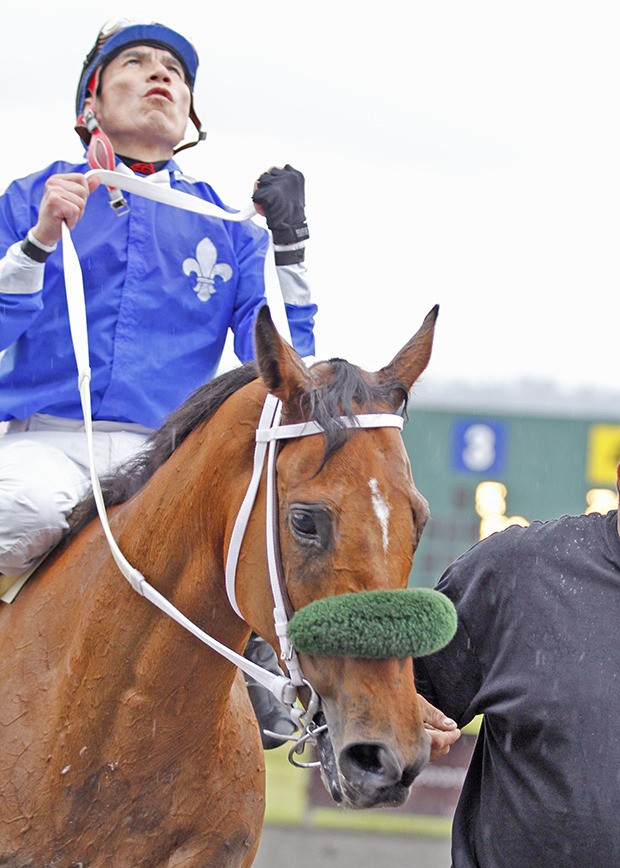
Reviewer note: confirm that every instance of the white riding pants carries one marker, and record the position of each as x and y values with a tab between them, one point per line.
44	472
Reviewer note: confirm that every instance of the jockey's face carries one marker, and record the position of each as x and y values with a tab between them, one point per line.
144	102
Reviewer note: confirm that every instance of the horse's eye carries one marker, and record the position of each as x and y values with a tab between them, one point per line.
310	525
303	523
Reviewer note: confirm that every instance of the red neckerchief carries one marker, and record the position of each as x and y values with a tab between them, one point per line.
141	167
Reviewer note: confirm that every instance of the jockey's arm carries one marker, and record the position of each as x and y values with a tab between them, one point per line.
295	289
279	196
22	268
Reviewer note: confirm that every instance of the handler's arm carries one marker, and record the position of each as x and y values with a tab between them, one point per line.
442	730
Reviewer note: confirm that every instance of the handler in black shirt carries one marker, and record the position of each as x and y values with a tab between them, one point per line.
537	652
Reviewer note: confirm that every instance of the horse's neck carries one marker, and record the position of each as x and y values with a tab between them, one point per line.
126	649
174	530
106	686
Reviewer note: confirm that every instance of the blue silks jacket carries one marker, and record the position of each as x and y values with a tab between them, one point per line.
162	288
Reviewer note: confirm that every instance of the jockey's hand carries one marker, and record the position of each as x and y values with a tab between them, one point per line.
64	199
279	197
442	730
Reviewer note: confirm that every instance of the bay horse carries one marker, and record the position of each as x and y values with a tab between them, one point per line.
123	740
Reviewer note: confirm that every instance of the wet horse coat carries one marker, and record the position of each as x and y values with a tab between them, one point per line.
126	741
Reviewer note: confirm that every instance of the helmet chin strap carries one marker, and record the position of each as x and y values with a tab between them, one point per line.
201	133
100	155
86	125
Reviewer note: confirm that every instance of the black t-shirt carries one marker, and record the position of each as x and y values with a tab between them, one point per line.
537	651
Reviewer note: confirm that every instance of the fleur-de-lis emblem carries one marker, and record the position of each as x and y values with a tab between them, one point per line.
206	268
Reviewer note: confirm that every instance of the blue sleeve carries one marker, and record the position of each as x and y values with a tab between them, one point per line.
251	248
17	216
17	312
301	323
19	208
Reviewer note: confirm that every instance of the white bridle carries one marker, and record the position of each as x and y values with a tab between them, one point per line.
268	433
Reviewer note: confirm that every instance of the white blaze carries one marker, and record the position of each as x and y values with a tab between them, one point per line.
382	511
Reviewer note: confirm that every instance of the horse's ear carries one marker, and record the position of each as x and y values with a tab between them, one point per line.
281	368
408	364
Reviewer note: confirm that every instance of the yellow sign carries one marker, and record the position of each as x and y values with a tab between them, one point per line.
603	454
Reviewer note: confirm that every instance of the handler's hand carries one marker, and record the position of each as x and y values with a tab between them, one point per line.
64	199
442	730
279	196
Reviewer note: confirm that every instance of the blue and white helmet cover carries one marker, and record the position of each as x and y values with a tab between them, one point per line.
111	42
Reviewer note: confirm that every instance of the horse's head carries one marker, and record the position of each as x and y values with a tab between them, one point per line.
349	520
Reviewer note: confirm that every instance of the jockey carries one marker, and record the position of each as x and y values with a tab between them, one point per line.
162	288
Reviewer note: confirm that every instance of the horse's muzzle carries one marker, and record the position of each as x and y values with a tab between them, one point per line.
373	776
367	774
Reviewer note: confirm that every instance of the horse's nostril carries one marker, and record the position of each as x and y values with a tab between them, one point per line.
366	761
370	757
409	775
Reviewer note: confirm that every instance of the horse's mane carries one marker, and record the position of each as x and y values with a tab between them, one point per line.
346	391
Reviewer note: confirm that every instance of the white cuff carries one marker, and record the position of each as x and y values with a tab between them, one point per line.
19	274
297	245
40	244
294	284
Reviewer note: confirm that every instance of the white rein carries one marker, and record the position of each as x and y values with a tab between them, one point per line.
268	433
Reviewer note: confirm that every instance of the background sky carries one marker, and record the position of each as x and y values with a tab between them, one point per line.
457	153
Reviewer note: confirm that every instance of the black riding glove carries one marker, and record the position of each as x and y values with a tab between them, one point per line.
281	195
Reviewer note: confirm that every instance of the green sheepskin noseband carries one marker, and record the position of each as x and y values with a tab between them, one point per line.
383	625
